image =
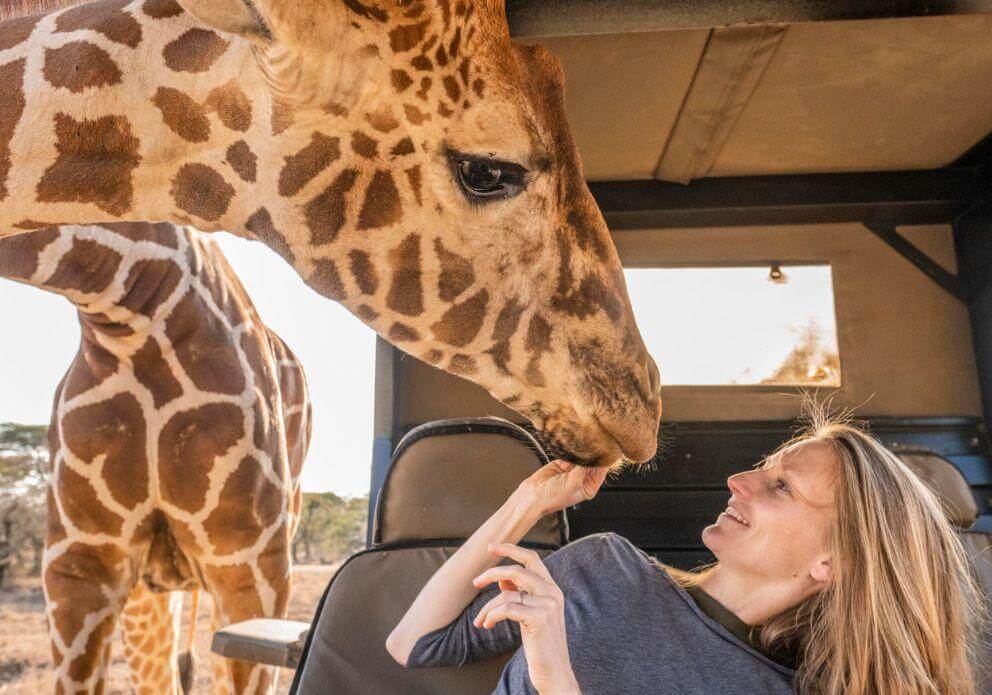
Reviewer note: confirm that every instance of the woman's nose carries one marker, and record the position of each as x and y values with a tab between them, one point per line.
739	485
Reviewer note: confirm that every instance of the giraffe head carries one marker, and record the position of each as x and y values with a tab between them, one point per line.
428	180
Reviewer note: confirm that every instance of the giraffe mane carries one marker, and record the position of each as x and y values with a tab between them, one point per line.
21	8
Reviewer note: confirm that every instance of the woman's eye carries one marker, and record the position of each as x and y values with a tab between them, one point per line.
482	179
782	485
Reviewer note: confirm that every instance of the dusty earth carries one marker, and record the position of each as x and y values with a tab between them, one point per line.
25	662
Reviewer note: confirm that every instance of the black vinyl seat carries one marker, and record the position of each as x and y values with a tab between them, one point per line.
445	479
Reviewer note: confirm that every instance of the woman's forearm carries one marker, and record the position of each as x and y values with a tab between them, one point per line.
447	593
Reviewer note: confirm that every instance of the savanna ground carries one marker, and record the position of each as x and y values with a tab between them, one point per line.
25	661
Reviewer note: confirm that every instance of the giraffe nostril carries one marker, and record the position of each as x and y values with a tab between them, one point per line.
654	377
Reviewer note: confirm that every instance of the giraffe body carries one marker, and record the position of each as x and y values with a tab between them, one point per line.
404	156
178	436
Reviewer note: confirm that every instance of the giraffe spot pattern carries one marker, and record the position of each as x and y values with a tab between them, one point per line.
79	580
403	333
19	253
91	366
463	365
367	11
456	274
188	439
152	371
261	225
231	105
433	356
203	347
381	206
461	323
115	430
12	97
403	147
325	214
406	294
274	565
363	271
243	161
201	190
161	233
537	343
182	114
406	37
415	115
326	279
105	17
247	505
194	51
149	283
363	145
413	178
162	9
87	267
507	322
282	116
400	80
366	313
305	165
240	593
451	88
109	153
14	32
383	120
80	503
78	66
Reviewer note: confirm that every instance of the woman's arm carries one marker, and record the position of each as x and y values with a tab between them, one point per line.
553	487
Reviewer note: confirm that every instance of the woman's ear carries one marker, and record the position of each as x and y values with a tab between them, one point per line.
246	18
822	571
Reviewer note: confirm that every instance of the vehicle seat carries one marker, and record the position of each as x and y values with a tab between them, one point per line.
445	479
959	504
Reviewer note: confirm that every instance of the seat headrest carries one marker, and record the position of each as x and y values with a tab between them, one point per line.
946	482
447	477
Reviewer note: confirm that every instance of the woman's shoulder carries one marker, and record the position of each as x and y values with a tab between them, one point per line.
607	552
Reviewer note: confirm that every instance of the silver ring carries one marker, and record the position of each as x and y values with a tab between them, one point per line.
520	596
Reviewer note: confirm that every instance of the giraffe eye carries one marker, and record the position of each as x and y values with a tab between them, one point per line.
483	179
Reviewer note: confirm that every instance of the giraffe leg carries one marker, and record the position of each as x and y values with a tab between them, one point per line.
150	624
85	586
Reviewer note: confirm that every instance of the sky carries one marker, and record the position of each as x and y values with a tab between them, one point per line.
703	326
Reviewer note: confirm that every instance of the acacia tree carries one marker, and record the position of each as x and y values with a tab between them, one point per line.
331	527
23	486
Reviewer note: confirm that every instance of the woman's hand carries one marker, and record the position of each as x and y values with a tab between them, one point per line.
561	484
540	611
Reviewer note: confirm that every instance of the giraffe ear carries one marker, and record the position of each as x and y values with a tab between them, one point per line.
246	18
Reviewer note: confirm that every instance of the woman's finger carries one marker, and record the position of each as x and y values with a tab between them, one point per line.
526	557
513	611
524	579
542	602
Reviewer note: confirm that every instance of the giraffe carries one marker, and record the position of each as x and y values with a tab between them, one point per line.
178	436
419	169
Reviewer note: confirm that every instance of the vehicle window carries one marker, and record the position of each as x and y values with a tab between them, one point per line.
757	325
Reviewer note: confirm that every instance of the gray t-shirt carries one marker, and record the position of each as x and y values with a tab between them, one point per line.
631	629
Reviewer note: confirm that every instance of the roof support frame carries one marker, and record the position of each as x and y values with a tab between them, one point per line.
933	270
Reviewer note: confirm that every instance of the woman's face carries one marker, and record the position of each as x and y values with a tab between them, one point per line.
776	526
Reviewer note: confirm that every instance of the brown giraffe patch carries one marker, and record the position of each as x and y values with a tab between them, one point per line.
86	573
367	11
415	115
506	325
326	279
406	294
182	114
433	356
239	587
203	347
81	506
190	438
460	324
366	313
401	80
383	120
282	116
425	86
537	342
194	51
79	65
243	161
422	63
19	258
91	366
463	365
16	31
381	206
149	283
402	333
105	17
451	88
115	430
200	190
325	214
479	87
161	233
275	569
413	177
456	272
305	165
88	267
162	9
229	528
231	106
403	147
260	224
441	56
363	145
405	37
152	371
363	271
105	150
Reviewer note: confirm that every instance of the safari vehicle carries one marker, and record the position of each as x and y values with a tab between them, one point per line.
838	154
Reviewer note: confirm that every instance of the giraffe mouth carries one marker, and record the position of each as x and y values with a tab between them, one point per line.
559	443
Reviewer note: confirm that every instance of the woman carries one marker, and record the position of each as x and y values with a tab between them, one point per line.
836	572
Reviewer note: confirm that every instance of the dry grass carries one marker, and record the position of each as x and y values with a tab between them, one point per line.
25	662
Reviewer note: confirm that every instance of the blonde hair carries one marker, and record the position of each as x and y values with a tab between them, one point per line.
902	613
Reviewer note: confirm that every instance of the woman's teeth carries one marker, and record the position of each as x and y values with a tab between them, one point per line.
737	515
